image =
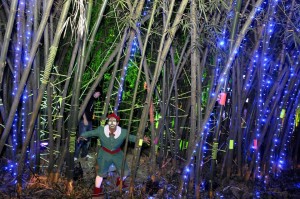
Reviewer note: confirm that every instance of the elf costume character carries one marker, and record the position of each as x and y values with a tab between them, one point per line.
111	137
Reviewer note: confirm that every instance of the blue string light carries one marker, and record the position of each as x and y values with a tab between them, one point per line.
26	50
265	82
12	167
24	21
277	161
290	126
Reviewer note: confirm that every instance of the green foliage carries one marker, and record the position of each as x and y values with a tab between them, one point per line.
131	76
205	93
176	57
104	41
126	95
107	76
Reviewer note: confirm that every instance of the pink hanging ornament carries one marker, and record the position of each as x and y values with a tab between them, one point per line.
222	98
255	144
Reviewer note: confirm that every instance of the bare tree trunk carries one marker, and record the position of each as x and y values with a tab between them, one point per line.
176	128
73	120
49	101
35	87
50	126
239	121
199	120
194	64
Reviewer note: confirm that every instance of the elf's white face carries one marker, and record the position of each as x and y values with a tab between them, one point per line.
112	123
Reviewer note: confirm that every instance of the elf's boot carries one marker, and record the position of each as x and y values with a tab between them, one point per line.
97	192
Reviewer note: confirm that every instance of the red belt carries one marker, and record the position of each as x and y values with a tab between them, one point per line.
111	152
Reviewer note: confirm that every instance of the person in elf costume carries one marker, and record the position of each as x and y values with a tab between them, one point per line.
111	137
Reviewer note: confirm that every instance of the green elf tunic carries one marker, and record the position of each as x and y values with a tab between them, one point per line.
110	151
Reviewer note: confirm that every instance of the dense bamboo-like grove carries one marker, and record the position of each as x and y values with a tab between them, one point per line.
214	83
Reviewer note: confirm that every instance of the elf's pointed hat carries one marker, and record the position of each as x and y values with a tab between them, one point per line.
114	116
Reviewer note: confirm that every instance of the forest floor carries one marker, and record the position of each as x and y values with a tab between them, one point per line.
165	184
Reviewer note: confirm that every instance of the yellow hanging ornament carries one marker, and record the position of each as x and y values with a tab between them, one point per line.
297	120
282	114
